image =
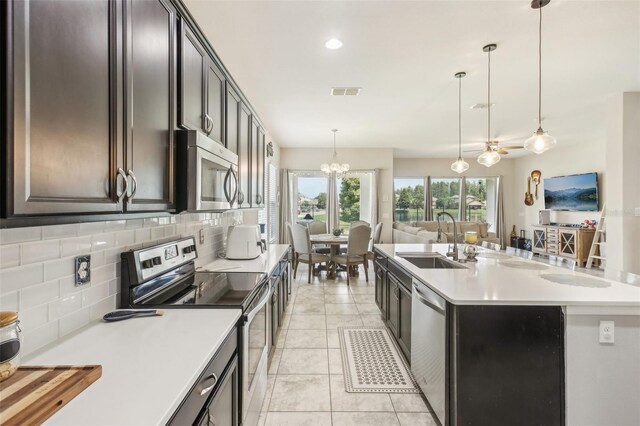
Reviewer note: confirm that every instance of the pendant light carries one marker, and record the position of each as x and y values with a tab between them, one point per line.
335	167
460	166
489	157
541	141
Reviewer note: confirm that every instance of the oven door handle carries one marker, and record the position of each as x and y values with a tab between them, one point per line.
249	317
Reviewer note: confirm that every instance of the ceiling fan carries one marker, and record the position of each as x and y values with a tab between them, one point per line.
495	146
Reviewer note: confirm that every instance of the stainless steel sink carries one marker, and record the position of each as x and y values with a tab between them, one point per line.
430	261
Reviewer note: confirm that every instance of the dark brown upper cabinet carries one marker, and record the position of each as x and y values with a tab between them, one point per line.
244	157
151	102
202	88
64	141
255	196
258	166
231	118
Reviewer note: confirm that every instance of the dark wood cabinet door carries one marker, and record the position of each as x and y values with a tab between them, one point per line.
231	119
260	167
151	52
255	196
394	308
404	328
215	102
193	61
64	138
244	157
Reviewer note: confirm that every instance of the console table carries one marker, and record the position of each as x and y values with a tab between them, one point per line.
564	241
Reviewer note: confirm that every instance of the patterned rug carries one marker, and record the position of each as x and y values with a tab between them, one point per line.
372	362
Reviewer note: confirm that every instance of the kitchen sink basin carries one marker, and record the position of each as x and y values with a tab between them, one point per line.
430	261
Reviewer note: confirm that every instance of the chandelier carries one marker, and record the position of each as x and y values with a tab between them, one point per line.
335	166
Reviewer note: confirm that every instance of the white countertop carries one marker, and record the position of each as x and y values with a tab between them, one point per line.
148	364
495	281
264	263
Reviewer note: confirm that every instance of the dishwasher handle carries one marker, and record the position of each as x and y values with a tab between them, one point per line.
437	305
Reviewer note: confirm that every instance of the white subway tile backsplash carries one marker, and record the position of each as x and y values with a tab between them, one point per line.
39	294
37	338
40	251
9	256
20	277
9	301
20	235
75	246
74	321
64	306
37	269
34	317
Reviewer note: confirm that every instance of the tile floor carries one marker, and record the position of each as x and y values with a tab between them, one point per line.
306	385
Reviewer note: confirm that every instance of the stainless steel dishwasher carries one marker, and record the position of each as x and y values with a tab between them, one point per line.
428	345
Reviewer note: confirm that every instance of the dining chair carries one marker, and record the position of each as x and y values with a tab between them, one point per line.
491	246
317	227
377	233
520	253
302	250
358	223
357	250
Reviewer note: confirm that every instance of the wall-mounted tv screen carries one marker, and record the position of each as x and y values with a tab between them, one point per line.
574	192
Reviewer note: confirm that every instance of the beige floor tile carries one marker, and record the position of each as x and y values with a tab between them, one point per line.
275	361
364	419
333	341
338	298
362	298
301	393
282	336
369	289
415	419
372	320
310	299
306	339
369	308
307	322
409	403
341	400
335	321
298	419
304	361
308	308
338	289
341	309
335	361
271	380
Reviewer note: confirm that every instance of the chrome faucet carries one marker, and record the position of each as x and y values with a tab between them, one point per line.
450	253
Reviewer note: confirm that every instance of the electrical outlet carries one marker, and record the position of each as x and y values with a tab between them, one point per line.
201	236
607	332
638	211
83	270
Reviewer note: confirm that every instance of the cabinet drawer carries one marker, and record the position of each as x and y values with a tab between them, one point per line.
400	275
552	246
552	231
204	387
552	251
380	260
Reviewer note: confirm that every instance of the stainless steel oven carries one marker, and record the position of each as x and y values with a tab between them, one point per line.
206	174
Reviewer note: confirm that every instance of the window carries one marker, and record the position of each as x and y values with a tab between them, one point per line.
481	200
310	196
445	196
409	199
355	198
272	206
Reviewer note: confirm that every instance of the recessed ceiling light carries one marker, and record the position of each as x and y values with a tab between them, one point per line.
333	44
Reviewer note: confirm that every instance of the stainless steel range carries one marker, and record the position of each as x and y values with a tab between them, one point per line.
165	276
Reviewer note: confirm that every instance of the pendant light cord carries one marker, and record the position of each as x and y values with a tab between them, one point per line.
459	117
540	69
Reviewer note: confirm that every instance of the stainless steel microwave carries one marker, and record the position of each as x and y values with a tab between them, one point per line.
206	174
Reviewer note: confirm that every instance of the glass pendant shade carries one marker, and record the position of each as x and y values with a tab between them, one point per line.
540	142
489	157
460	166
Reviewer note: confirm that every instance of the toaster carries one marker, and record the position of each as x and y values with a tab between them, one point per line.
244	242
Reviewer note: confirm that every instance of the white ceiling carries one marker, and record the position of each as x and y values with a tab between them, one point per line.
404	55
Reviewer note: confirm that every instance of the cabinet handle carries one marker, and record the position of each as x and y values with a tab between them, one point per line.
240	198
206	390
126	184
135	184
258	199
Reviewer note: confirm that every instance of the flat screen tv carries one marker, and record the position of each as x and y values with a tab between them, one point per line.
573	192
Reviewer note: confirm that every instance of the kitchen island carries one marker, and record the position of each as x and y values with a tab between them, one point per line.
507	340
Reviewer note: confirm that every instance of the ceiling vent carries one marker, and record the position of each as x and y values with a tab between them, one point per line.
482	106
345	91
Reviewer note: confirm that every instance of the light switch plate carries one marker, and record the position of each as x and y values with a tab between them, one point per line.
202	236
83	270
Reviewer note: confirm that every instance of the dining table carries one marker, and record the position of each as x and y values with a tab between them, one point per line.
334	244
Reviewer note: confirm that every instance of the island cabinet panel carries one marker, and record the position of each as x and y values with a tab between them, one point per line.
404	315
151	53
393	317
381	290
64	144
506	365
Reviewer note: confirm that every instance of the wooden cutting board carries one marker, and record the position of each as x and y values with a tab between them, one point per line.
33	394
